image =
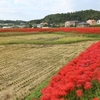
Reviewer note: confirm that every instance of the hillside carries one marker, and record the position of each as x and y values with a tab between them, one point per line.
61	18
15	22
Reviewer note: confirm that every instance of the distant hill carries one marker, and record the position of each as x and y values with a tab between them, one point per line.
83	15
58	18
17	22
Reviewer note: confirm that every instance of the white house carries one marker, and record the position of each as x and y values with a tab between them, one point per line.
98	21
39	26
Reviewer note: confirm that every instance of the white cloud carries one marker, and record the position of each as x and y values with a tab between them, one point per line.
61	6
51	5
34	9
86	4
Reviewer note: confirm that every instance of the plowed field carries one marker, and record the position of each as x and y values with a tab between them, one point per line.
24	66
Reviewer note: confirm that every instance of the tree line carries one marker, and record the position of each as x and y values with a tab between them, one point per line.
58	18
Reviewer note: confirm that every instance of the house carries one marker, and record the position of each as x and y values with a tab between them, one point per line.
20	26
44	24
34	25
98	22
71	23
45	27
83	24
92	22
6	27
39	25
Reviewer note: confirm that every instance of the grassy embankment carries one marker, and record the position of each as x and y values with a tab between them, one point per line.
45	38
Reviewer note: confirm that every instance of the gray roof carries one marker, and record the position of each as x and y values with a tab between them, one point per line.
83	23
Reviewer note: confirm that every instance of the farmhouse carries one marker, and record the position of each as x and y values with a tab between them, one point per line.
39	25
44	23
98	22
71	23
92	22
83	24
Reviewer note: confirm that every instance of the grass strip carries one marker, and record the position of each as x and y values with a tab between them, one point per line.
36	93
54	38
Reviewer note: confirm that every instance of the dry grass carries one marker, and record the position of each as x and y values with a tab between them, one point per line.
44	38
28	38
24	66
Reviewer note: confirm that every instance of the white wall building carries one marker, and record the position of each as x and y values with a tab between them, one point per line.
98	21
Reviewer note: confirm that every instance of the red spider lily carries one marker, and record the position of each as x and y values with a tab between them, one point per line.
94	30
87	85
96	99
79	93
79	73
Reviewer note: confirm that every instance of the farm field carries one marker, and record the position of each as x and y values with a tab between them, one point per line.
28	60
23	67
46	38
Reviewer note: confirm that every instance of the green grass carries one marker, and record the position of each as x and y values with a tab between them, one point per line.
72	40
46	38
16	33
36	93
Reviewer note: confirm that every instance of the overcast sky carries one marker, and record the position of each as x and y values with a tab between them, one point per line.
37	9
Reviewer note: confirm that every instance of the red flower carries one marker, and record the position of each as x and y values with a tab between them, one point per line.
88	85
79	93
95	98
99	80
75	74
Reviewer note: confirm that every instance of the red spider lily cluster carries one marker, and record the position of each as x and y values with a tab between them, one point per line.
19	30
94	30
77	76
95	99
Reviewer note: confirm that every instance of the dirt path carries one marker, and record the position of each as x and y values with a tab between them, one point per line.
22	67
